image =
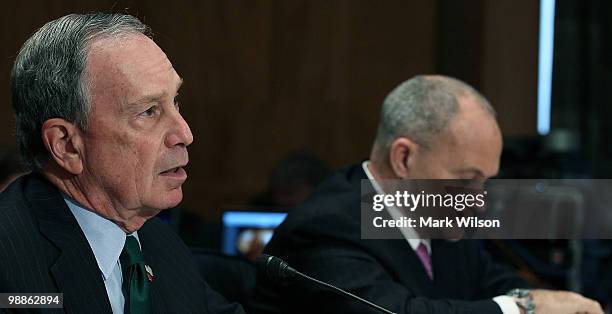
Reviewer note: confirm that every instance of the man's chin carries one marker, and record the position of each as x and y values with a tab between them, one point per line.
454	234
166	200
174	197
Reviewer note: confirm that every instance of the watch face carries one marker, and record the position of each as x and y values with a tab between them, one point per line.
523	299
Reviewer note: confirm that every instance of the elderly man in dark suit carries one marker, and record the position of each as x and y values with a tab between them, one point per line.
99	128
431	127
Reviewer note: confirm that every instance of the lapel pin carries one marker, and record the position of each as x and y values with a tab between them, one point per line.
149	273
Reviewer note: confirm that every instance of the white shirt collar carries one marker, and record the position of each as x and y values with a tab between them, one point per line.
105	238
409	234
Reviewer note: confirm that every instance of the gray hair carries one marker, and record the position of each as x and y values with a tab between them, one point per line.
422	107
49	75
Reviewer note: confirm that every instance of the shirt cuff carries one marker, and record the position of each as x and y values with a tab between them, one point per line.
507	304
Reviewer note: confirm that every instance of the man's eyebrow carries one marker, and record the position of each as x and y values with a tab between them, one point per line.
149	98
155	97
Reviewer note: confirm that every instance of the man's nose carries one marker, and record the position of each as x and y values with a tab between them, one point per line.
180	132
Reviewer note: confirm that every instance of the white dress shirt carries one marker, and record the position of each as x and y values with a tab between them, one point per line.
506	303
106	240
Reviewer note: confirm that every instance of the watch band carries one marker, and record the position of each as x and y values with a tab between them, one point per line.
523	299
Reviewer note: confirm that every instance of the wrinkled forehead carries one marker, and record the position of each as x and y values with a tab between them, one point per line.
131	65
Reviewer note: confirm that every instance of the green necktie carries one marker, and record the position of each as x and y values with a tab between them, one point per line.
136	285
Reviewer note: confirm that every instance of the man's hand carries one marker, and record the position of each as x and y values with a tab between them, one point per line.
563	302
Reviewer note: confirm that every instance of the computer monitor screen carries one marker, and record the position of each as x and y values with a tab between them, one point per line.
246	233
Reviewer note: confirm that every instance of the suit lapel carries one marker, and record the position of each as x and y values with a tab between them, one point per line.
404	257
445	260
402	254
76	271
157	293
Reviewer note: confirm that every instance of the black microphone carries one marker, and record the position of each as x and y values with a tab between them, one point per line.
277	269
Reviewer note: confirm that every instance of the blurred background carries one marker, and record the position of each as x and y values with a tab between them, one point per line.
280	93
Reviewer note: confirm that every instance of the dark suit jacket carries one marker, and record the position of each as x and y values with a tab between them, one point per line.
321	238
42	249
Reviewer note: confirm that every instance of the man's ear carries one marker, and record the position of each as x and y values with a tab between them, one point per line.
401	156
63	142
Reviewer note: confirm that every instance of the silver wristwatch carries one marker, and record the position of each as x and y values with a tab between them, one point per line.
523	299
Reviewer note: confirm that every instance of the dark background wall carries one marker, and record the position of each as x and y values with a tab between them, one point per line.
264	78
